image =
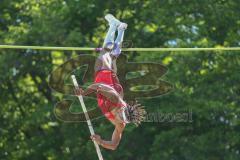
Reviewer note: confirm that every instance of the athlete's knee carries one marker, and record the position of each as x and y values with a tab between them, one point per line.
108	46
116	50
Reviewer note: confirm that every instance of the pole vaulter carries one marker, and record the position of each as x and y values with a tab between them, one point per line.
108	88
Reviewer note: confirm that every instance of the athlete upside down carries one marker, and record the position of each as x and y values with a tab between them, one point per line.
108	89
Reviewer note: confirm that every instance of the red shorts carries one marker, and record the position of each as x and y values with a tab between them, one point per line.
107	77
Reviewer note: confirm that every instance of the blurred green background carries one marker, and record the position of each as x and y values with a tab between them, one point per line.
207	83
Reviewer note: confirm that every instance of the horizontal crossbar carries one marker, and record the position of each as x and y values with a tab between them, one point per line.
123	49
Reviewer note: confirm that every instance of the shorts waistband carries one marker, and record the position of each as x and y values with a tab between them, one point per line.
105	71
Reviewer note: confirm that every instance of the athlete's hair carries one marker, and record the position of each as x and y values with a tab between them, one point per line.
135	113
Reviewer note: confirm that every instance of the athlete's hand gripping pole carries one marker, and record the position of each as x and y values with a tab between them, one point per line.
87	118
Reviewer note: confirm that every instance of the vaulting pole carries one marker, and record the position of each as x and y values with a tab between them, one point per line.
87	118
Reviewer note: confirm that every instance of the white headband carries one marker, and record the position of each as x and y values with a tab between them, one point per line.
124	115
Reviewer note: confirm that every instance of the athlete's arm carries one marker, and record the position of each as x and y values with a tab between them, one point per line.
92	88
79	91
116	137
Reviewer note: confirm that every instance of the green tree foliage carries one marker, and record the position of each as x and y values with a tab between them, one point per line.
206	83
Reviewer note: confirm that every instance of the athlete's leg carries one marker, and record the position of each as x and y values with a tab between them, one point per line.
109	39
121	28
118	42
113	25
103	61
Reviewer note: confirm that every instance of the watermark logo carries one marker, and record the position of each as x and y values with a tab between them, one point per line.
139	80
170	117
